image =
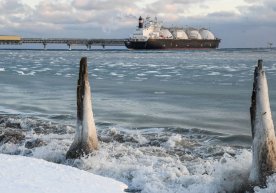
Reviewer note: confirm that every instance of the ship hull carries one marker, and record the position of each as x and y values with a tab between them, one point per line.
172	44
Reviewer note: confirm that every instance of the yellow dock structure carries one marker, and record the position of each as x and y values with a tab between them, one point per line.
10	39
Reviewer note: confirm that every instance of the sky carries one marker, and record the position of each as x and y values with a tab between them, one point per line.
239	23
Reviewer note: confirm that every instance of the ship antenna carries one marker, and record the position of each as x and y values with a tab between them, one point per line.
140	22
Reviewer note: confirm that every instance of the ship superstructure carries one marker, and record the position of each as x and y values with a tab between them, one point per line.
150	34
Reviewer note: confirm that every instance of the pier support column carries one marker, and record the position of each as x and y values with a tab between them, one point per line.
88	46
44	46
69	47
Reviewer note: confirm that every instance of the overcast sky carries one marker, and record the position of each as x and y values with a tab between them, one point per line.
239	23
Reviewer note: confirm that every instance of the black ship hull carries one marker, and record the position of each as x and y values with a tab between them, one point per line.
172	44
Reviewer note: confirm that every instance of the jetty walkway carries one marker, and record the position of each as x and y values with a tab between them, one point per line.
67	41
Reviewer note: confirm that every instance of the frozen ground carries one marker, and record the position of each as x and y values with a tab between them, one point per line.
29	175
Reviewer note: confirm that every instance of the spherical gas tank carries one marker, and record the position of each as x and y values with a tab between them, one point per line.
165	33
180	34
206	34
194	34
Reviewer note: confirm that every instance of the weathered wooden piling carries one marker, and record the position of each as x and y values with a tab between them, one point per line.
86	139
264	141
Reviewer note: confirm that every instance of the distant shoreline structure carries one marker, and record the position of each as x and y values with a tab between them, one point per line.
88	43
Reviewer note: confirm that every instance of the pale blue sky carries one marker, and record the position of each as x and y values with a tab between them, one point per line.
239	23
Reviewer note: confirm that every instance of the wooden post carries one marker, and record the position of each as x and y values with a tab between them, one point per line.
86	139
264	141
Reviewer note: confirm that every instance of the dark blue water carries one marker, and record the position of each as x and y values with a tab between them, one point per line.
193	104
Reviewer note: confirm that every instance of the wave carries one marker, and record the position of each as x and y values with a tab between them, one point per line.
150	160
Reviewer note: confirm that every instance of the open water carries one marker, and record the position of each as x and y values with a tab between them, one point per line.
168	121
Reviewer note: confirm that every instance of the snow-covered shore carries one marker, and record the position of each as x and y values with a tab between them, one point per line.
29	175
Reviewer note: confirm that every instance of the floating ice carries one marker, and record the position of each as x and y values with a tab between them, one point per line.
32	73
214	73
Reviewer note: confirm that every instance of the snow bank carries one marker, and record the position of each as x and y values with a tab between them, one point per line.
28	175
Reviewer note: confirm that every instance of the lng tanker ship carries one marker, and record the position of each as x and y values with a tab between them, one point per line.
150	34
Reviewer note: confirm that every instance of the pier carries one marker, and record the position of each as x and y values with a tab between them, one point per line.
67	41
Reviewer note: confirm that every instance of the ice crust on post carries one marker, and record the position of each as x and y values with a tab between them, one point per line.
86	139
264	142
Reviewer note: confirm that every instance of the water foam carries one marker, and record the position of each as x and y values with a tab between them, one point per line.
151	160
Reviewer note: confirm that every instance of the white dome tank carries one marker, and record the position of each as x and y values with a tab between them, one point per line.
165	33
194	34
206	34
180	34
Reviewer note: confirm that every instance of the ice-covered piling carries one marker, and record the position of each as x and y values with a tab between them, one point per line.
264	141
86	139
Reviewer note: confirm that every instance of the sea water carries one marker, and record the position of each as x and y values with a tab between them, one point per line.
168	121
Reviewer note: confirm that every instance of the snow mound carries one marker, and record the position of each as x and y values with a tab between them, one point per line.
29	175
